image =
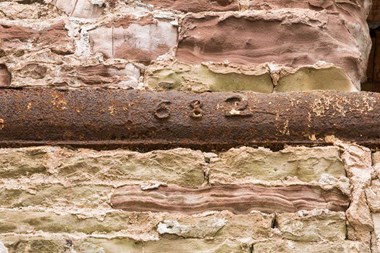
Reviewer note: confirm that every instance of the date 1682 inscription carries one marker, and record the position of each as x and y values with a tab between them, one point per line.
236	107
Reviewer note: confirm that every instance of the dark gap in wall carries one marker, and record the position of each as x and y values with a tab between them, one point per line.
373	69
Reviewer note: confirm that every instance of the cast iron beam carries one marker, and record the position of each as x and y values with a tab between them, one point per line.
144	120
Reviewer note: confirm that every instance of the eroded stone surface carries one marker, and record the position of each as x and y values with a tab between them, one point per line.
244	165
315	37
312	227
14	195
79	8
60	243
138	225
208	77
196	5
181	166
141	39
358	165
284	246
218	225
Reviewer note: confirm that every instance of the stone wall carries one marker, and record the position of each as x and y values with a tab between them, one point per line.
185	45
242	200
254	200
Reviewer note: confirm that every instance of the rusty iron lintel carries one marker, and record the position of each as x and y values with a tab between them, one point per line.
143	120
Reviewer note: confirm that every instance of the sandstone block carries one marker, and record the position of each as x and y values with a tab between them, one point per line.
239	199
33	69
376	233
245	165
180	166
208	77
20	37
55	195
307	37
24	162
196	5
311	227
61	243
184	167
88	222
284	246
140	39
79	8
13	11
373	196
217	225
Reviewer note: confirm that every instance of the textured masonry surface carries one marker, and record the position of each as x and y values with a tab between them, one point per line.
253	200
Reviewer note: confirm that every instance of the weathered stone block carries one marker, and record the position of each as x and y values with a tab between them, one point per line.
208	77
24	162
88	222
196	5
13	11
61	243
79	8
180	166
373	196
20	37
218	225
312	227
283	246
247	165
55	195
184	167
141	39
307	38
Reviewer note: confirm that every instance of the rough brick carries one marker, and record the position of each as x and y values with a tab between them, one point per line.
244	165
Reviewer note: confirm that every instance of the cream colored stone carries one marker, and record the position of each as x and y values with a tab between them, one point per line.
55	195
79	8
284	246
3	249
136	225
208	77
183	167
24	162
358	165
312	227
178	166
315	78
54	243
219	225
246	165
373	195
376	163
